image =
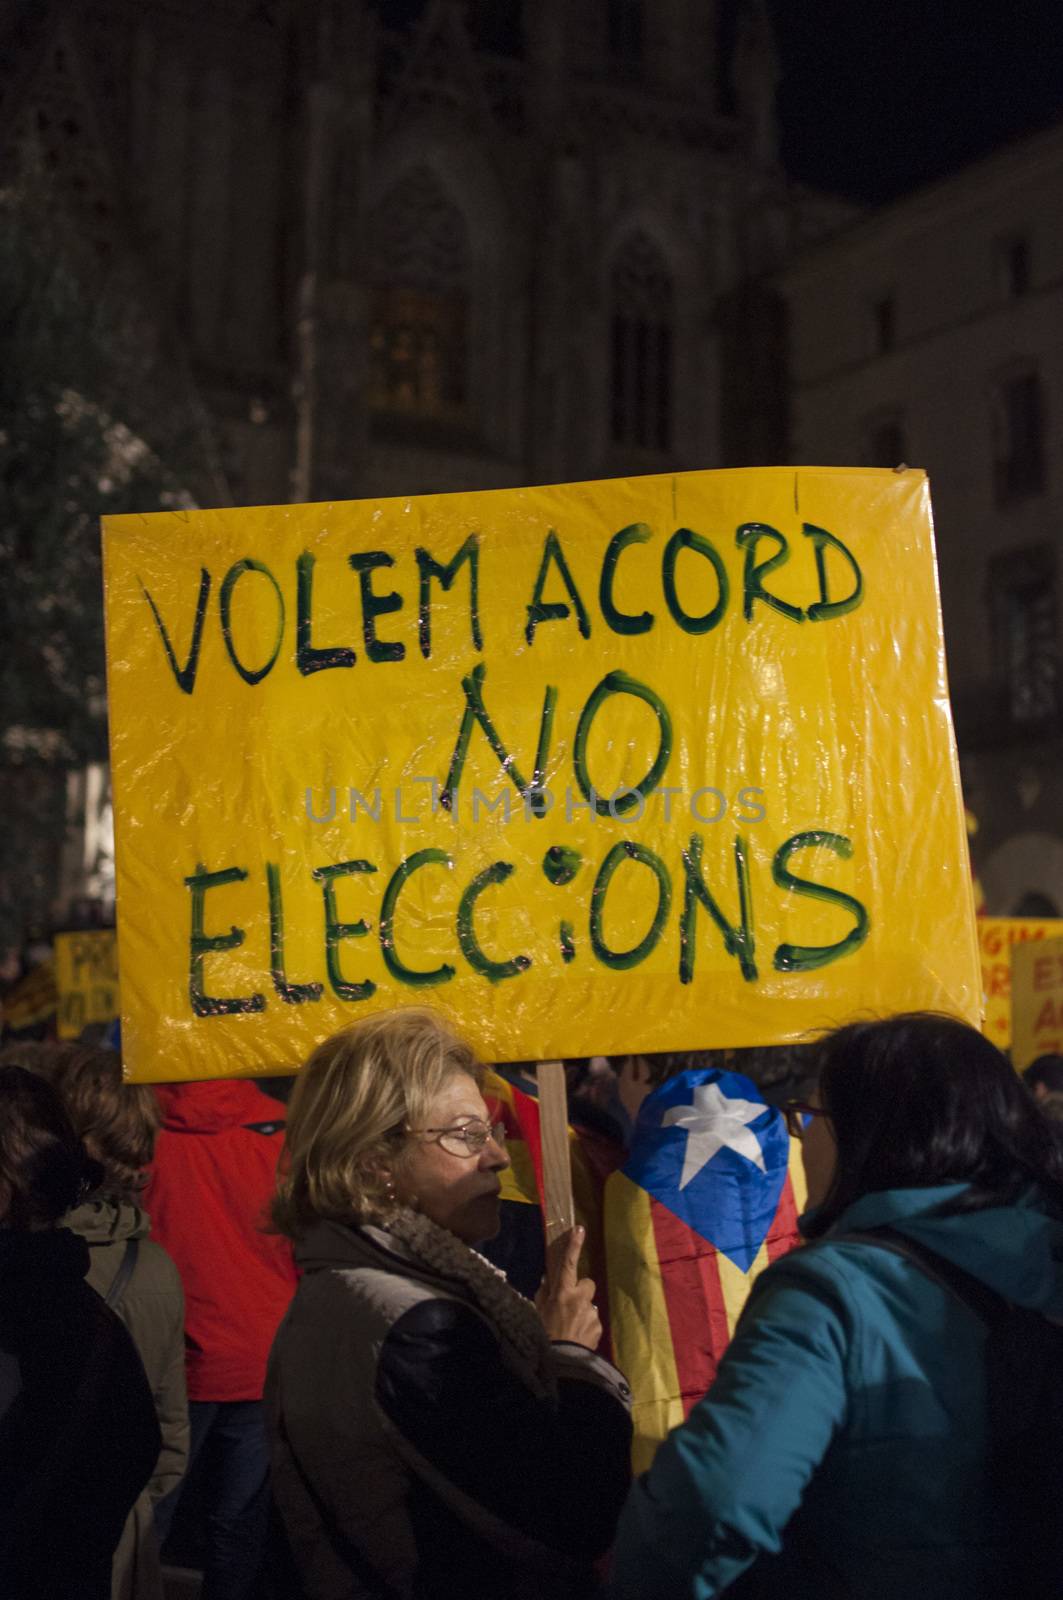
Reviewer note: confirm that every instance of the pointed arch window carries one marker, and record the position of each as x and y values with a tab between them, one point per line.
419	303
642	346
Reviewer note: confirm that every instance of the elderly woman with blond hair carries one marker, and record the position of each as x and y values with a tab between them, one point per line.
433	1431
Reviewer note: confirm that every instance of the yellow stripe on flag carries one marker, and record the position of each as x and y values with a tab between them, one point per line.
518	1179
797	1176
735	1283
642	1334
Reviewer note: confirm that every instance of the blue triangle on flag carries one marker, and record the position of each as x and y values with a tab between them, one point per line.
709	1147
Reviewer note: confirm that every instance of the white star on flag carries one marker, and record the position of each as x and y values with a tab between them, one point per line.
712	1122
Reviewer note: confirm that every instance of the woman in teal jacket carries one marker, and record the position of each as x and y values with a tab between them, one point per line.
844	1447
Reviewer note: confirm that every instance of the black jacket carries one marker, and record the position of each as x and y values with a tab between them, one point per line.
78	1433
414	1457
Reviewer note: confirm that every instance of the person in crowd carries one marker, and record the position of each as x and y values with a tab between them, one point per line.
850	1442
638	1076
117	1122
519	1246
208	1196
79	1439
1044	1079
595	1112
434	1432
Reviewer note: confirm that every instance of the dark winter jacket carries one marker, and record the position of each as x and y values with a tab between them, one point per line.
413	1457
212	1180
78	1435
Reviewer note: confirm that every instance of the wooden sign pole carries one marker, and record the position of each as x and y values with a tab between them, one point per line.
560	1212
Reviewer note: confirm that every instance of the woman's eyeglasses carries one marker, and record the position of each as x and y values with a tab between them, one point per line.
465	1138
797	1114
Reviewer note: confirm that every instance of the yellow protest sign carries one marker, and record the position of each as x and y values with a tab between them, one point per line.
996	936
31	1001
86	976
1036	1000
633	765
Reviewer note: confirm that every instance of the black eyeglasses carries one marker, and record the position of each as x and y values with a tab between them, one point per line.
797	1113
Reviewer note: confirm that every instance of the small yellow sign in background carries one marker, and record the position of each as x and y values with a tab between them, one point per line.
996	937
1036	1000
86	977
634	765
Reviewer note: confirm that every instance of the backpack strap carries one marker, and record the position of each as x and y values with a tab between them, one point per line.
125	1271
989	1306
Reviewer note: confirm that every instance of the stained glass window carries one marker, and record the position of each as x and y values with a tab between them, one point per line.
419	307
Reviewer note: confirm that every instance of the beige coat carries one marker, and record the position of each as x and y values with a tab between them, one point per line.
152	1308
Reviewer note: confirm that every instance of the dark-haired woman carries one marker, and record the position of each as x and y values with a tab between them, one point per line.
847	1446
78	1435
117	1123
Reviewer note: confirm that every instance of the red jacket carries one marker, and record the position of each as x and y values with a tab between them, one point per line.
211	1183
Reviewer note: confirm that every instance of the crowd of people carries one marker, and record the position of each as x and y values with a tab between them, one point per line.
374	1412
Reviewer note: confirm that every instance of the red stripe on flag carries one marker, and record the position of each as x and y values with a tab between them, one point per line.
783	1234
697	1316
519	1113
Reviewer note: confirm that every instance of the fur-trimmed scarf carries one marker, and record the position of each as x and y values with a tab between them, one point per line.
514	1318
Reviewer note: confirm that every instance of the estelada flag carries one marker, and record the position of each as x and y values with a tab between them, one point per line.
705	1200
519	1247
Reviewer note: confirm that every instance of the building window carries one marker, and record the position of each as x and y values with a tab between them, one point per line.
1013	266
419	303
1022	587
417	344
886	444
626	33
884	323
1019	437
641	353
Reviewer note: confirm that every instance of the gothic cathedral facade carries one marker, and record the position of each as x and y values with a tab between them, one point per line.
420	245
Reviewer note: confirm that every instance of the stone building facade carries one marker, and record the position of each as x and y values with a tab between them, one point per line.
394	246
932	333
435	244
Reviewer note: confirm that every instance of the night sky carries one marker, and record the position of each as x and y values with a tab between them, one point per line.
879	96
